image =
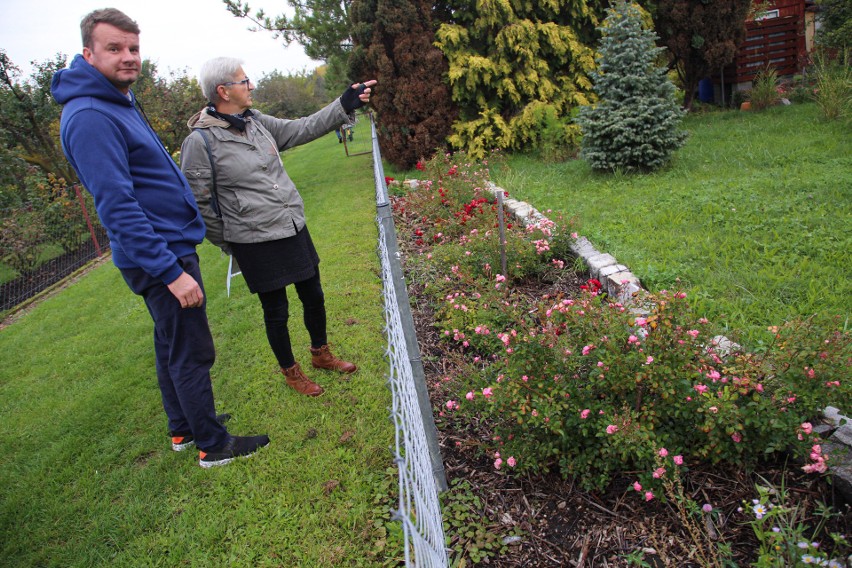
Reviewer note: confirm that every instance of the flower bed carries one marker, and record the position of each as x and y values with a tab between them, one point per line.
546	377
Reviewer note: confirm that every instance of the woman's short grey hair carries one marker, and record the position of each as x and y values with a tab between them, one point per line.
215	72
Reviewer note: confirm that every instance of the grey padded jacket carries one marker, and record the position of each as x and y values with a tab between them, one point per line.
257	199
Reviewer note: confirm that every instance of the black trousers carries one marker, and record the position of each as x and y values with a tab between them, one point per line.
276	313
184	352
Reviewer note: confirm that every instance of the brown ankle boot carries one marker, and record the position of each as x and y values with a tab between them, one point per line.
301	383
323	359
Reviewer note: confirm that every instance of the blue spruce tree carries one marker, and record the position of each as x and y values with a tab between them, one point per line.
635	125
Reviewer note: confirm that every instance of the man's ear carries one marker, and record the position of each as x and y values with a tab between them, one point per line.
87	54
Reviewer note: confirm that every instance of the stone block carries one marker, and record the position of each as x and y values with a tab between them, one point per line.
521	209
597	262
622	286
840	468
833	415
583	248
604	273
724	346
843	435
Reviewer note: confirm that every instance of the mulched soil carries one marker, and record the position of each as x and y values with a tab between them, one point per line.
563	525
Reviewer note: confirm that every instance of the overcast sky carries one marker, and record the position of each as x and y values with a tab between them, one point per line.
175	34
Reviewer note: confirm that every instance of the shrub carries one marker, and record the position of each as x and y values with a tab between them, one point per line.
636	124
592	388
22	237
764	90
833	89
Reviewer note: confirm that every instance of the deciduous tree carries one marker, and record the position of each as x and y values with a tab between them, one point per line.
702	36
168	102
29	117
835	19
291	96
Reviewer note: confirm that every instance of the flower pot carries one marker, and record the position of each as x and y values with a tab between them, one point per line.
746	105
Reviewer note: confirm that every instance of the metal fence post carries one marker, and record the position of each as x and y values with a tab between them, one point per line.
88	221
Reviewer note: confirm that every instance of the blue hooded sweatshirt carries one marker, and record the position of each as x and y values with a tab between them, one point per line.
141	196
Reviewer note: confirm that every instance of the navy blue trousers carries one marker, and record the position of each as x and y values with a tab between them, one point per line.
184	352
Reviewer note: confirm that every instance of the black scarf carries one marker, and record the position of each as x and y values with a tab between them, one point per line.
238	121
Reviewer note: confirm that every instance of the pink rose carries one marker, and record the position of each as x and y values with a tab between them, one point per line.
611	429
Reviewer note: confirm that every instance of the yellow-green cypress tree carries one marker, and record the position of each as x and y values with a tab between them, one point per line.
514	65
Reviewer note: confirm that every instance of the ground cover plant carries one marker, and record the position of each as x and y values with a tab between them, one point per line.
87	475
561	387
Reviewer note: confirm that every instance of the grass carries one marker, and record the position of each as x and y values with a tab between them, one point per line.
752	217
87	476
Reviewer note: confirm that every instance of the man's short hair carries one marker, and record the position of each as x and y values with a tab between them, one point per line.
110	16
214	73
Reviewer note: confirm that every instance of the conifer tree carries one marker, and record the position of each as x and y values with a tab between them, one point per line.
515	67
636	123
394	44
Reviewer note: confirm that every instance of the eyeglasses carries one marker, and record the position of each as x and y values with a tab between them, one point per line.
245	82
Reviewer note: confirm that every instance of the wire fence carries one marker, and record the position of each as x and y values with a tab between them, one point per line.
42	243
418	457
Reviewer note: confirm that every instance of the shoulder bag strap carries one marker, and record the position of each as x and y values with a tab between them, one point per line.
214	196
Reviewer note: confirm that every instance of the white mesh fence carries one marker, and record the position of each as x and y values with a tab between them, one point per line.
421	472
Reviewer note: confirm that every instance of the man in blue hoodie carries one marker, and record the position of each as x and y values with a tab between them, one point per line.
153	223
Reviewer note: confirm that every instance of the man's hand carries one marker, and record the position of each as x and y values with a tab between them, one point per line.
187	291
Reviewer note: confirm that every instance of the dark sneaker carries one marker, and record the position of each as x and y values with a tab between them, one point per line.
237	446
184	440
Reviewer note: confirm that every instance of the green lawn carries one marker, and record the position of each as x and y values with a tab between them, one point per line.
87	476
753	216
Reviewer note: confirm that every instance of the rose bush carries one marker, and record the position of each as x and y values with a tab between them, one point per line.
588	386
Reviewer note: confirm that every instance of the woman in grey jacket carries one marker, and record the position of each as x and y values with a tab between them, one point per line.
252	208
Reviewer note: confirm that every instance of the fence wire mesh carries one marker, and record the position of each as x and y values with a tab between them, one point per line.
43	243
418	459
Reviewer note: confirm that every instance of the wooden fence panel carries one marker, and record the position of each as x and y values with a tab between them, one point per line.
778	42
